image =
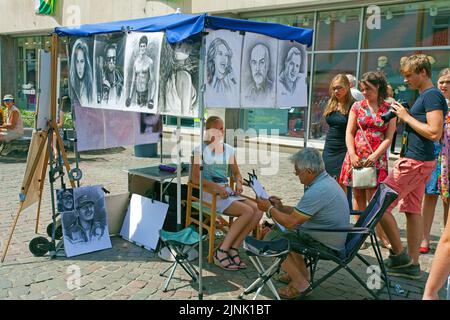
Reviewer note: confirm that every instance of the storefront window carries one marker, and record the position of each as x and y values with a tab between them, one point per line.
337	30
327	65
410	25
27	70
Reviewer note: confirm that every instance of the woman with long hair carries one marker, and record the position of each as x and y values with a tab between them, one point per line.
336	116
218	158
368	138
81	80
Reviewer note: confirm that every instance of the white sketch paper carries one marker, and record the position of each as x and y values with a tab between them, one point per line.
117	128
145	217
90	128
142	60
258	189
179	90
223	68
109	50
81	78
258	71
85	228
291	80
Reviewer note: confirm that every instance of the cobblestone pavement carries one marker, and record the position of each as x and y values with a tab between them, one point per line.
128	271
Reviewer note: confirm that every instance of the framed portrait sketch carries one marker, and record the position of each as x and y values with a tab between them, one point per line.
179	89
258	71
291	76
84	220
142	55
223	68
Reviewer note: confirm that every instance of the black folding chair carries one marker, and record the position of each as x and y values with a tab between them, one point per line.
365	227
255	249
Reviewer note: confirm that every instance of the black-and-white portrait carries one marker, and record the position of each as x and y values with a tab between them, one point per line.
85	228
64	200
258	71
222	70
150	123
291	81
142	57
109	52
179	78
81	73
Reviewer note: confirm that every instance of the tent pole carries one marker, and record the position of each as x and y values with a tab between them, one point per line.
178	173
202	121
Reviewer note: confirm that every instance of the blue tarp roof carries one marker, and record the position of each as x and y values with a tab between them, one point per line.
181	26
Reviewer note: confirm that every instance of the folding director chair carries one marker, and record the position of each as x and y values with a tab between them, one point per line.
356	236
178	244
256	249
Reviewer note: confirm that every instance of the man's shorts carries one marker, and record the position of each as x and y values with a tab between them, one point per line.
142	98
408	178
297	239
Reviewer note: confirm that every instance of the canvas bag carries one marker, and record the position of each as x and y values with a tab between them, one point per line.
364	177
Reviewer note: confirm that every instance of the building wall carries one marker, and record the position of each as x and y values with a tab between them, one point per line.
21	17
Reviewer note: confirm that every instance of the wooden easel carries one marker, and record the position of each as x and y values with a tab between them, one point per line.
40	146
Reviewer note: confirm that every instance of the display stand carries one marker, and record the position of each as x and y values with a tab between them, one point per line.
41	156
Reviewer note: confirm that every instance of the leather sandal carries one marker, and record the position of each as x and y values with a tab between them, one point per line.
231	266
284	278
235	258
289	292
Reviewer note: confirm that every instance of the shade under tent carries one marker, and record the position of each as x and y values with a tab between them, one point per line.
178	27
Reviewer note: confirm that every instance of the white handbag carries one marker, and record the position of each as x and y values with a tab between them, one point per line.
364	177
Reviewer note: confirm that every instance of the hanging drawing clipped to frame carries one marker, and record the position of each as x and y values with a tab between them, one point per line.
291	75
179	87
223	68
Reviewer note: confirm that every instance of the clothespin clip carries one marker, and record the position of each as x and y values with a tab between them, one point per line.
153	197
105	190
254	174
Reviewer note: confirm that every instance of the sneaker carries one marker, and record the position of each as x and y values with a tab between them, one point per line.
411	272
398	261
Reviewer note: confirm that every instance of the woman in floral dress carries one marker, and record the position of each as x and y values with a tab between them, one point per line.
366	114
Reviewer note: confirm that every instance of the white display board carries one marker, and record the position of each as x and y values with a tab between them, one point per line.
145	217
44	85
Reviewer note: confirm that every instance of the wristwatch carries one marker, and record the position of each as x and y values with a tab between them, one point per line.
268	211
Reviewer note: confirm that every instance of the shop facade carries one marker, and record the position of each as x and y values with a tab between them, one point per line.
350	37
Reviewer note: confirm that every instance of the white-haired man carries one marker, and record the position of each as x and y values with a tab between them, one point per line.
310	212
356	94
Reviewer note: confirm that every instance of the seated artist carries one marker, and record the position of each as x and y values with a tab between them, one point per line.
218	157
12	127
310	212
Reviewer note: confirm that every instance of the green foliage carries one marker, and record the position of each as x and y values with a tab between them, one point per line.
28	118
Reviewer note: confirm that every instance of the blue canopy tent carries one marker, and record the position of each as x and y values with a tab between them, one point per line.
178	27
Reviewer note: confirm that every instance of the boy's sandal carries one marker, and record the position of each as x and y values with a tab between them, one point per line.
231	266
234	258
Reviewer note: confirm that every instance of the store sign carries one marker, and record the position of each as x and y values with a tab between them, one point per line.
46	7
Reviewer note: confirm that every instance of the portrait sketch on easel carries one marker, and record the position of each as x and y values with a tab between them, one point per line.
178	92
258	71
84	221
223	68
109	52
142	55
291	80
81	73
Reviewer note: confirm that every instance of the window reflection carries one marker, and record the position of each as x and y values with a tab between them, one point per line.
410	25
326	67
337	30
